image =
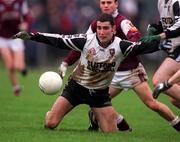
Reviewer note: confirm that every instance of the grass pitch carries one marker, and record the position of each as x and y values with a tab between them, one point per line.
22	118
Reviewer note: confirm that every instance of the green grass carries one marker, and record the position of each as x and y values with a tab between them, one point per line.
22	118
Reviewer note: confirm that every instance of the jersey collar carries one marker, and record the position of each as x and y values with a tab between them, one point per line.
115	13
108	43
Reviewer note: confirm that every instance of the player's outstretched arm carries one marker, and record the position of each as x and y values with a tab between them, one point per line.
75	42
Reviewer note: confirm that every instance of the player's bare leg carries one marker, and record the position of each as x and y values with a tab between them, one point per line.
59	109
113	91
144	92
106	118
165	71
7	57
19	61
122	124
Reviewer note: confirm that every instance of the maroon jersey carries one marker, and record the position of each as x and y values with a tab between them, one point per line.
125	30
12	14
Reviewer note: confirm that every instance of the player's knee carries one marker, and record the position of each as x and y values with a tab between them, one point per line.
50	125
153	105
19	67
50	122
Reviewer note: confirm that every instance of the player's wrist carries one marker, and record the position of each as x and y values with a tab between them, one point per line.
64	63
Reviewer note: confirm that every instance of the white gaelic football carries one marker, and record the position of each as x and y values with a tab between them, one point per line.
50	82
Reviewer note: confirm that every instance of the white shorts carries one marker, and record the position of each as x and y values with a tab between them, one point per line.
13	44
129	79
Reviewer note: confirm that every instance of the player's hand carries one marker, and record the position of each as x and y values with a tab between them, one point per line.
62	69
151	30
23	35
147	39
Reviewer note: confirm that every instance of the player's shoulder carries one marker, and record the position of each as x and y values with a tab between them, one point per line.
119	18
90	36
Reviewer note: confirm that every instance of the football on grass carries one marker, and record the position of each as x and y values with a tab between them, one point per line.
50	82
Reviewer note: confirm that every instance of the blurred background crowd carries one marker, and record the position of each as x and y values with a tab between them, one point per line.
74	16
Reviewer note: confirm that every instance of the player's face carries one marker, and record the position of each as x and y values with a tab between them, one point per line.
105	32
108	6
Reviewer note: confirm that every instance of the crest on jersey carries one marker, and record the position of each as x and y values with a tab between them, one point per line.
112	52
91	53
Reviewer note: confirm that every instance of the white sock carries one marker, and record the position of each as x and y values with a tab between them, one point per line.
175	121
119	119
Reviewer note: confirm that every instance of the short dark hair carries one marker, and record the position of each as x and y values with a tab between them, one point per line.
104	17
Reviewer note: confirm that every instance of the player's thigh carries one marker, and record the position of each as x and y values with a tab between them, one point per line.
60	108
106	116
166	70
113	91
7	57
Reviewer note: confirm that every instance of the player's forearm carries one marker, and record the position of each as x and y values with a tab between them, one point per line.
50	39
75	42
138	48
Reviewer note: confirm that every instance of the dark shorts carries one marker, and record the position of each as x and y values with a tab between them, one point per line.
77	94
175	54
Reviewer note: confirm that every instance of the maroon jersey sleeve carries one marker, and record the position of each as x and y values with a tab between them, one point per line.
72	57
133	36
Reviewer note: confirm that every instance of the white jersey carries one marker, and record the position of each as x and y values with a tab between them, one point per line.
97	64
169	11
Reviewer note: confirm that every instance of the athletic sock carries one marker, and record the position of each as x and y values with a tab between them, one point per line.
176	123
122	124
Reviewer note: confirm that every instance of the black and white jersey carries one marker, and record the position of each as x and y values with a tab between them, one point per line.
97	64
169	11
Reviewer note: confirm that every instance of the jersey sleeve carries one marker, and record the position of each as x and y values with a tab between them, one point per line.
130	31
75	42
136	48
72	57
174	30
